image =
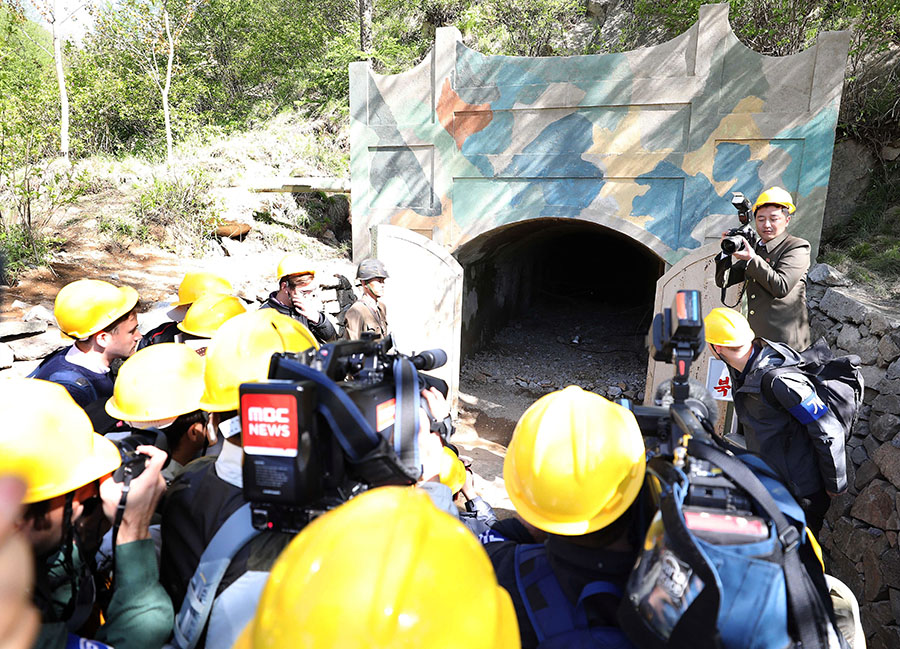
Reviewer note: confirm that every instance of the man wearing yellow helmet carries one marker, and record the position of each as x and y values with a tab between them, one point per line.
791	428
297	297
574	469
71	500
773	272
194	285
102	319
386	570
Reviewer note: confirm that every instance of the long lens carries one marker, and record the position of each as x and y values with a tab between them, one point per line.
730	245
429	359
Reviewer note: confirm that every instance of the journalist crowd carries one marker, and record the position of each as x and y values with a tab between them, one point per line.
280	478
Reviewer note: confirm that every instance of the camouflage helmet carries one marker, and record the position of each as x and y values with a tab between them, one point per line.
371	269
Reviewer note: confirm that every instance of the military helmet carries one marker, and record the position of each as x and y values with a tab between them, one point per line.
371	269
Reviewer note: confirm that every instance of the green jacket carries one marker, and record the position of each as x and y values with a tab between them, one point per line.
140	614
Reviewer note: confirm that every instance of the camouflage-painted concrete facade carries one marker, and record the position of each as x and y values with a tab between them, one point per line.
649	142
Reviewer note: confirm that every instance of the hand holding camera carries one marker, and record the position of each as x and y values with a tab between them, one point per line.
145	487
739	242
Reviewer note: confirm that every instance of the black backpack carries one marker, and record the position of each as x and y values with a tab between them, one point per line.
837	380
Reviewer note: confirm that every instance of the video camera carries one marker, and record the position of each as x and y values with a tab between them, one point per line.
736	238
676	338
328	424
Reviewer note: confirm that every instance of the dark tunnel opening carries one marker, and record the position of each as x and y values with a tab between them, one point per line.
553	302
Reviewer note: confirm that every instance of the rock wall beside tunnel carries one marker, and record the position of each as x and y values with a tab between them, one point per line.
861	536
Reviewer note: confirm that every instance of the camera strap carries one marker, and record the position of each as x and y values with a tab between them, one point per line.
406	413
806	606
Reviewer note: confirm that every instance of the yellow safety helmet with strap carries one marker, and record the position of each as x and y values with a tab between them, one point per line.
294	265
48	441
775	196
240	352
210	312
157	383
727	327
387	570
196	284
86	306
575	463
453	471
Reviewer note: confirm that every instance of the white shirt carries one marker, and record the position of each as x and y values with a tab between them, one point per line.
91	362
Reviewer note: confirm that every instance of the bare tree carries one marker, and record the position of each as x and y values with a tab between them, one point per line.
147	31
55	15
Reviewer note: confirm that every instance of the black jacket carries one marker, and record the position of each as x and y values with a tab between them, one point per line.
323	330
575	567
196	505
808	452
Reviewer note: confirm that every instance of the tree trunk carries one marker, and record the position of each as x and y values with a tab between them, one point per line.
61	81
365	25
165	92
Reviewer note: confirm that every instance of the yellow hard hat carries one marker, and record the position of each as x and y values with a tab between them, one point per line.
385	570
48	441
158	382
209	313
775	196
86	306
294	265
453	471
575	463
727	327
240	351
196	284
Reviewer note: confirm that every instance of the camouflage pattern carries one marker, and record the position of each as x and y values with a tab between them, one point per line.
649	142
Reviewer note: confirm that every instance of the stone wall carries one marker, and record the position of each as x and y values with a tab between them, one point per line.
860	538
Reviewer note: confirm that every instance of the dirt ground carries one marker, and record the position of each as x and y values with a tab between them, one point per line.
595	346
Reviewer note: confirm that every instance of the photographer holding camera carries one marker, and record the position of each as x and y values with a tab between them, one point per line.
77	489
772	268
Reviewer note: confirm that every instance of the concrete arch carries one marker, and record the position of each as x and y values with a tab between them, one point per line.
513	268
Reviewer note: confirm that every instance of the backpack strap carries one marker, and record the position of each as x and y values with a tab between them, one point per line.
806	607
557	615
195	609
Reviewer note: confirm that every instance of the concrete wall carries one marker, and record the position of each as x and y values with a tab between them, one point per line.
649	142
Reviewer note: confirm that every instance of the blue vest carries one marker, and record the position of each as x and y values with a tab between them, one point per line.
84	385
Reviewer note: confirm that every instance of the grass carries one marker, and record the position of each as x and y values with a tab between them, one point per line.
177	211
867	248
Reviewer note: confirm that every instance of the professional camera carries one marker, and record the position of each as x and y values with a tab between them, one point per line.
328	424
736	238
676	337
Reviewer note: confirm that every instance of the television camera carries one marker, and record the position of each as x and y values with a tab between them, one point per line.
328	424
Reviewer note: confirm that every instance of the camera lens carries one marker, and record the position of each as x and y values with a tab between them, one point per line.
732	244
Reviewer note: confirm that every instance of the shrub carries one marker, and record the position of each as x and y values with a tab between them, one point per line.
178	212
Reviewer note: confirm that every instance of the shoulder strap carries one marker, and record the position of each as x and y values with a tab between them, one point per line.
557	615
806	607
231	537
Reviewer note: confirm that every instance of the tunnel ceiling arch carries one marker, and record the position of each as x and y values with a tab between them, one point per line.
649	142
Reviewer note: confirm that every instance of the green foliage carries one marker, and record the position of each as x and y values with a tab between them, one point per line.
21	250
176	211
870	106
869	244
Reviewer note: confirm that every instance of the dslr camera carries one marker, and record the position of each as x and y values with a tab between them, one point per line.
737	238
328	424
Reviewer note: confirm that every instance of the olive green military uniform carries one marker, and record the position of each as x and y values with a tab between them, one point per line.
366	315
775	288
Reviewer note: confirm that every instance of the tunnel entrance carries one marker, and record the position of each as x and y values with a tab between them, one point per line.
549	303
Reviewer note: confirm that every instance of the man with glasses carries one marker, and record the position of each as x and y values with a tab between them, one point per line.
773	272
297	296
